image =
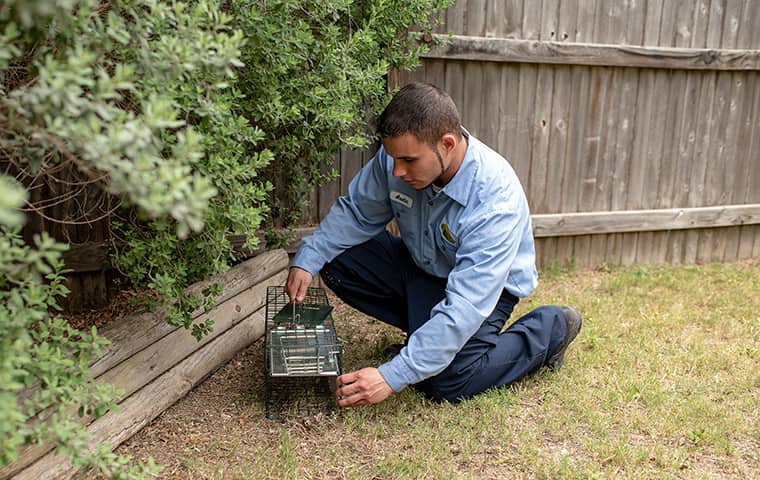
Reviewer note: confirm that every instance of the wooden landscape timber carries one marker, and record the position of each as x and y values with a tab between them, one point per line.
156	364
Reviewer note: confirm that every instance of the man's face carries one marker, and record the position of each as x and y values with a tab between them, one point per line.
415	162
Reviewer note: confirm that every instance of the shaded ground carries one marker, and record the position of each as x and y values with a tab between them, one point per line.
224	417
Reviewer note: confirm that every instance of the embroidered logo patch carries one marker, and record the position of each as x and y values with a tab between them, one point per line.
399	197
447	235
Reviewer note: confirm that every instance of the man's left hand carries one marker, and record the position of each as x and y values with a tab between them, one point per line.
362	387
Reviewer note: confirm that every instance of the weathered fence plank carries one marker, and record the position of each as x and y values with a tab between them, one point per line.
644	220
487	49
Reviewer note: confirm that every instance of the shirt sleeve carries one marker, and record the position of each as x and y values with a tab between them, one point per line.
488	247
352	220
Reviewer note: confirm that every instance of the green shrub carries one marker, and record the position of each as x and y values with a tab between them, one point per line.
200	119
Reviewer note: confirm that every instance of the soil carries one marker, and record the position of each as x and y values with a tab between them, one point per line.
222	420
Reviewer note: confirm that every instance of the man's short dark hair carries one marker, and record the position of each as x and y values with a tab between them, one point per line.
421	109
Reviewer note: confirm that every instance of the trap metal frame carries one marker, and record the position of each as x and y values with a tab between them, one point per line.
302	355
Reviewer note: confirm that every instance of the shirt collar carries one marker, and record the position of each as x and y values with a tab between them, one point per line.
458	188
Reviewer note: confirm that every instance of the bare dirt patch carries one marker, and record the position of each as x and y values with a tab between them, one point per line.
219	429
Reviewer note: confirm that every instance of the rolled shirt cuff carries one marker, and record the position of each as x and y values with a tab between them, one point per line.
397	373
309	259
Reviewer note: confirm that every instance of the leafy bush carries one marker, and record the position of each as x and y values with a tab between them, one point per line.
199	119
44	372
314	73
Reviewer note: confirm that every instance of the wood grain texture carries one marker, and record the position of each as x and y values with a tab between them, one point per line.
159	357
147	403
644	220
485	49
152	327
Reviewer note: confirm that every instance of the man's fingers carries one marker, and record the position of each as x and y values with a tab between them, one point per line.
362	387
352	400
347	378
297	284
350	389
301	295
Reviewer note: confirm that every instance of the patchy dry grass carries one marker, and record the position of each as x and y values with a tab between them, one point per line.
662	382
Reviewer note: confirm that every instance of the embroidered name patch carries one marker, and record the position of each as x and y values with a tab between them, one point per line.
399	197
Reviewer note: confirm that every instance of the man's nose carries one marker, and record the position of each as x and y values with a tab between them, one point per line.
398	170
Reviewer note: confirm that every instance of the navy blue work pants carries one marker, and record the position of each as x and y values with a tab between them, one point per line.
380	279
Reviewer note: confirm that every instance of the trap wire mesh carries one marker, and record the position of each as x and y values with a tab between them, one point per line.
303	355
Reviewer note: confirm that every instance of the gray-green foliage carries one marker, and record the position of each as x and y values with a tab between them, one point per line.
126	92
202	119
44	372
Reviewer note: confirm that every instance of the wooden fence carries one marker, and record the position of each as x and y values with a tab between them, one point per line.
634	126
73	210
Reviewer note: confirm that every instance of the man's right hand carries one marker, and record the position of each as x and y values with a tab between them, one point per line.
298	281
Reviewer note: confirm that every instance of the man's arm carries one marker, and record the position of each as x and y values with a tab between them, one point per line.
353	219
486	254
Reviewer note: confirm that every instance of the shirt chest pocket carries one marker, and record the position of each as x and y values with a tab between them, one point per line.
447	242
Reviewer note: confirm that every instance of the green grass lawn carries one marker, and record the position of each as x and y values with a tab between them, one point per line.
662	382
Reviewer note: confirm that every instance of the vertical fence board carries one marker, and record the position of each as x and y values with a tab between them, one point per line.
455	16
584	23
507	134
541	134
510	24
491	105
471	106
350	164
715	24
727	240
546	17
750	164
565	92
475	18
526	117
531	20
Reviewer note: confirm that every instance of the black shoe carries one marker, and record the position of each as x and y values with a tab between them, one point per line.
573	322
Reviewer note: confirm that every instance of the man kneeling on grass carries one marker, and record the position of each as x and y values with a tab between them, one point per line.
451	280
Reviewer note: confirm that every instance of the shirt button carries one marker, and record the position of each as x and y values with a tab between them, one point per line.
427	262
426	233
430	203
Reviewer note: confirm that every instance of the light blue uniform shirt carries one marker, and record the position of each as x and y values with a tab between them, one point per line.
475	231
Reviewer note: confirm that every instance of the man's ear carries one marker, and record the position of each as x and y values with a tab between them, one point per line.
449	141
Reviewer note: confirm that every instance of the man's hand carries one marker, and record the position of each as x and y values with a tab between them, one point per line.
298	281
362	387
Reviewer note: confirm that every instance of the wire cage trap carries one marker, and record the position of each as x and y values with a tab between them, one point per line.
303	355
